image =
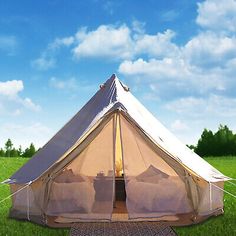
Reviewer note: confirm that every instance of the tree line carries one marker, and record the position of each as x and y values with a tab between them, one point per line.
10	151
220	143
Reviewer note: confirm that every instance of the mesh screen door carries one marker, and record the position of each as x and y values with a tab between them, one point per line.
153	188
84	188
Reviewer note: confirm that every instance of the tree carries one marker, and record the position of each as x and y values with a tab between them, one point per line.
192	147
32	150
8	147
13	153
205	145
224	141
29	152
221	143
20	151
2	153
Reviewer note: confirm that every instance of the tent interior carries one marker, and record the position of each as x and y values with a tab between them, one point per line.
116	173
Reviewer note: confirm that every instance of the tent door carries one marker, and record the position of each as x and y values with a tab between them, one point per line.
84	188
153	187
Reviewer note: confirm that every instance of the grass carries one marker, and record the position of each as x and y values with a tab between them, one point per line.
224	224
221	225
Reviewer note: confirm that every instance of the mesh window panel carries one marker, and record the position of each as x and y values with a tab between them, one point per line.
153	188
84	188
24	202
211	198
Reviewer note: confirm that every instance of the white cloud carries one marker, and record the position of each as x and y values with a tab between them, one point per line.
116	42
187	106
158	45
169	15
44	63
17	112
210	50
158	69
47	60
179	125
206	49
108	6
217	15
2	109
10	100
138	26
24	134
123	43
205	63
172	77
199	113
8	44
105	41
211	106
11	87
59	42
69	84
27	103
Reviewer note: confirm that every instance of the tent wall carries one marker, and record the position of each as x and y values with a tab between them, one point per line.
211	198
153	187
84	188
81	186
93	157
26	204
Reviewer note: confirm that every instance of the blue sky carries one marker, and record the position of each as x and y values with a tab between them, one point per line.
178	58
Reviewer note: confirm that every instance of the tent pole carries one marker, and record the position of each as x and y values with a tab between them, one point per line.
28	202
114	158
210	196
123	162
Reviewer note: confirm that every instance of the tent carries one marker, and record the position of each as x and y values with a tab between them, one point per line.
114	152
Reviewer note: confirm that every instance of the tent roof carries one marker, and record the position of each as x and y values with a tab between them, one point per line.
112	95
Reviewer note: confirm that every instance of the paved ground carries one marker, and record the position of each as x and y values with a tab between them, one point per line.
121	229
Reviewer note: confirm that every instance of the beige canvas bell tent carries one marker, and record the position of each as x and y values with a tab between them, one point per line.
113	161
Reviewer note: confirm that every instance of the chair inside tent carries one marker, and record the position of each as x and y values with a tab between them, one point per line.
116	172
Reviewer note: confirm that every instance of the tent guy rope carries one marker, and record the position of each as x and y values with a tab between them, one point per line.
6	181
231	183
16	192
1	184
224	190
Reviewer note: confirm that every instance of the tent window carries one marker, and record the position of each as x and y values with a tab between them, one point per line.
84	189
153	188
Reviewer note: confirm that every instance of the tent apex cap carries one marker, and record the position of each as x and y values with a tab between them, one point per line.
113	77
110	80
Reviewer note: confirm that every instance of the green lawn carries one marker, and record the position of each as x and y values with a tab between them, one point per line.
221	225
